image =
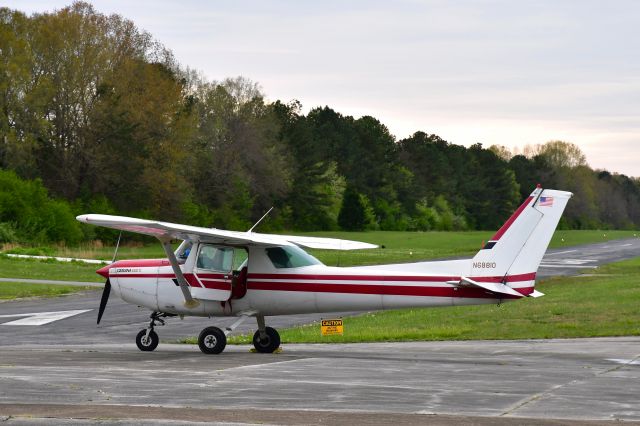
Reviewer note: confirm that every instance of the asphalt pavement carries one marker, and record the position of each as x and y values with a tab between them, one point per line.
477	382
68	368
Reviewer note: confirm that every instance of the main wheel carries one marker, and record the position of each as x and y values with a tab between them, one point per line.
212	340
147	343
269	344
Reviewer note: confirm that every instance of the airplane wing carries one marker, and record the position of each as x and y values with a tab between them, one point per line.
166	230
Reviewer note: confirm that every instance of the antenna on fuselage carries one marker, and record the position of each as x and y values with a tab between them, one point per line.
115	253
260	220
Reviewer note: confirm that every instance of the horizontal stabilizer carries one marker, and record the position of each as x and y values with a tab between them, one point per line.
492	287
536	293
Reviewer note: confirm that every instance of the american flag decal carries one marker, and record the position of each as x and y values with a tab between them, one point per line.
546	202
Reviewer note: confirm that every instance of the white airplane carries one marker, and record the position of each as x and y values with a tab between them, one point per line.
247	274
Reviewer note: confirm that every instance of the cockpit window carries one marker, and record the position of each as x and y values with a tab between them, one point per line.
290	257
182	253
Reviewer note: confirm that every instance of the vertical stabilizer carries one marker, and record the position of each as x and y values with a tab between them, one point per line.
515	251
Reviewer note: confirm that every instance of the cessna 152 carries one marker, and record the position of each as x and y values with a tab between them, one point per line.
247	274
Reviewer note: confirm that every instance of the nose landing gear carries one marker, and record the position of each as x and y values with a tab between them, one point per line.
147	339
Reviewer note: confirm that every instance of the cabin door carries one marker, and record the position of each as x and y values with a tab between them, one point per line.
213	273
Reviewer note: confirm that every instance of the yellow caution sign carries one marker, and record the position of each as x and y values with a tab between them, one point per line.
330	327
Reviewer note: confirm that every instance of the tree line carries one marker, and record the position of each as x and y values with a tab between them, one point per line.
99	117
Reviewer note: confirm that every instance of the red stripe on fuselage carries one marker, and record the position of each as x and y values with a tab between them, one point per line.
140	263
381	278
512	219
205	279
390	290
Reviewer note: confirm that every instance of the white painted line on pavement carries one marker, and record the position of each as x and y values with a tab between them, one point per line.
625	361
542	265
55	282
569	261
59	259
559	252
41	318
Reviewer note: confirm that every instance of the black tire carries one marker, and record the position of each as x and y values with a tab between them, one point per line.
269	344
212	340
147	344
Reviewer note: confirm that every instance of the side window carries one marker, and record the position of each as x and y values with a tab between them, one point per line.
215	258
240	257
290	257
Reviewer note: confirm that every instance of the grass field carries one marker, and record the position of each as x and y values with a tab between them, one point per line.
9	291
398	246
607	304
48	270
415	246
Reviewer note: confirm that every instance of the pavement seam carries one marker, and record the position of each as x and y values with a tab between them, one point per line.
533	398
540	395
618	367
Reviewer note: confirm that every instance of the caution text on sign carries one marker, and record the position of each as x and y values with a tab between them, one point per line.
330	327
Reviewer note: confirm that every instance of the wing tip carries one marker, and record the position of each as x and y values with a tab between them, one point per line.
83	218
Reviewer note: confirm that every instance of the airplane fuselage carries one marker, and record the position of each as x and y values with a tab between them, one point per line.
268	290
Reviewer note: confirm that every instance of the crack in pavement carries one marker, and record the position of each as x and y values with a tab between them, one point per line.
549	391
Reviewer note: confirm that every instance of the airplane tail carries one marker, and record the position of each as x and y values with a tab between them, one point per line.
513	255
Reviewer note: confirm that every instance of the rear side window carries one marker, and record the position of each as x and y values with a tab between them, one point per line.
290	257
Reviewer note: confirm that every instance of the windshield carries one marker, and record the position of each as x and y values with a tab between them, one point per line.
290	257
182	252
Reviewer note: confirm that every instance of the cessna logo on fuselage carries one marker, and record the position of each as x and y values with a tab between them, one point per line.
126	270
484	265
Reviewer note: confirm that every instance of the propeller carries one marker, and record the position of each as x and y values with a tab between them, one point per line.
105	297
107	285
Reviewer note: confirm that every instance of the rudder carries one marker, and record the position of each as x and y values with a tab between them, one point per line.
516	250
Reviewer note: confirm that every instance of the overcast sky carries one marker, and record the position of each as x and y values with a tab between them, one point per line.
495	72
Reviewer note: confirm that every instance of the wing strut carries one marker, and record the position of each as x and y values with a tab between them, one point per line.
189	302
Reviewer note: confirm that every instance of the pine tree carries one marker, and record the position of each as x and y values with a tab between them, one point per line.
352	213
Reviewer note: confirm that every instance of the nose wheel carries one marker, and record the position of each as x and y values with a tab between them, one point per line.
147	342
147	339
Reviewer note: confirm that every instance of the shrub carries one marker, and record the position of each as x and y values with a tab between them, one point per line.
7	233
34	217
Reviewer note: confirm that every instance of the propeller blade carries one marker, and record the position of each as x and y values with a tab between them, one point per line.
105	297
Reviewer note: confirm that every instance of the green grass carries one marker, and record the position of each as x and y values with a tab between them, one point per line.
93	250
399	246
48	270
604	305
9	291
415	246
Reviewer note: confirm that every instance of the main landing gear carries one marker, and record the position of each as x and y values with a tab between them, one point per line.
266	340
212	340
